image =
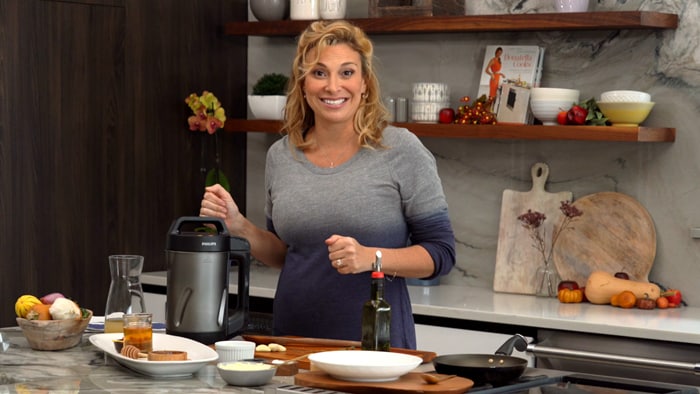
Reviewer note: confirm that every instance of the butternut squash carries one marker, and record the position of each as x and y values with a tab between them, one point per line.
602	286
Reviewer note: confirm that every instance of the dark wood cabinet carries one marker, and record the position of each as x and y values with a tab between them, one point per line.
95	154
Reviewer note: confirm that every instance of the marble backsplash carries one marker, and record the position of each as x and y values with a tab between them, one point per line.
662	176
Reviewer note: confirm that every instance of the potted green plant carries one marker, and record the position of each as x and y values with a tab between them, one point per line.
269	96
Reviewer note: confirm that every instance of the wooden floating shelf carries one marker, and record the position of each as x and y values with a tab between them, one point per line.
499	132
475	23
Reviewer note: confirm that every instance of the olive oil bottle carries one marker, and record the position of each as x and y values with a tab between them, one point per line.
376	313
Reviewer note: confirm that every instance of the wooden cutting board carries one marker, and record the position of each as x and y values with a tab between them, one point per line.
517	259
300	346
615	233
409	383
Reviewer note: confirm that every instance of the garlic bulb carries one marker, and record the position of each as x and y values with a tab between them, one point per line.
64	309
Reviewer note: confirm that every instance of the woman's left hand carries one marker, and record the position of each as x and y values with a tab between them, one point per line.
347	256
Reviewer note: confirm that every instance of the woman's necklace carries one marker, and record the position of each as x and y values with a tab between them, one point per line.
339	157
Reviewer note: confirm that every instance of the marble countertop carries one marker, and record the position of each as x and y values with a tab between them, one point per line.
86	369
484	305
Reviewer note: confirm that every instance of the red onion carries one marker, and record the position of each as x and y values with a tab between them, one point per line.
50	298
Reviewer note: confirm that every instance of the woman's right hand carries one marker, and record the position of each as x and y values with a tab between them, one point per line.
218	203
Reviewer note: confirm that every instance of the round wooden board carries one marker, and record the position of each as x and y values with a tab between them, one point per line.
615	233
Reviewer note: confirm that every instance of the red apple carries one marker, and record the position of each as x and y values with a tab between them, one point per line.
446	115
567	284
674	296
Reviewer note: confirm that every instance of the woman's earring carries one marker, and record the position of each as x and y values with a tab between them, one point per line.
364	95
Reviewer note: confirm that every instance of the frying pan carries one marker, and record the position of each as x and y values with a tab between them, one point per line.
496	369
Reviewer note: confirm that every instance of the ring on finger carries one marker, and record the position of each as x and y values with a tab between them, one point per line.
339	263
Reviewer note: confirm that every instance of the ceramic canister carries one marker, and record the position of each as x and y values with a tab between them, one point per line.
304	9
332	9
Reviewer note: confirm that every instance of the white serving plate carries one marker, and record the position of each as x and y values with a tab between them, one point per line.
198	355
364	365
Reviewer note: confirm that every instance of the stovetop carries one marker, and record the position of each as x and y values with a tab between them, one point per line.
543	384
584	383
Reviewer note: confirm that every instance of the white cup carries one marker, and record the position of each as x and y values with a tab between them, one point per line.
571	5
332	9
235	350
303	10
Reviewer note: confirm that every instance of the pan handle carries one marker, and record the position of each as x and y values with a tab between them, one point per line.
517	341
581	355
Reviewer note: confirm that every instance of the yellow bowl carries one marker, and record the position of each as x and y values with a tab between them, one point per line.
625	113
53	334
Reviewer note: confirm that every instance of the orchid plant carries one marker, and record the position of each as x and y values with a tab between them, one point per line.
208	115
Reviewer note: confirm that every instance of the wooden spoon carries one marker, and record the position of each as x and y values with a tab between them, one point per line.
434	379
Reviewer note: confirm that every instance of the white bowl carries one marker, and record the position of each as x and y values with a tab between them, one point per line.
625	114
554	93
625	96
267	107
571	5
235	350
364	365
246	373
547	110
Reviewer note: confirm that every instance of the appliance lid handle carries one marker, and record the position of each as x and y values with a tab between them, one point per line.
200	221
581	355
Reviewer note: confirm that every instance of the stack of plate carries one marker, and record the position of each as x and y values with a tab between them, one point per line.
428	99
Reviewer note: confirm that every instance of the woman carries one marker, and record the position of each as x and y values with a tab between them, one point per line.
493	69
340	186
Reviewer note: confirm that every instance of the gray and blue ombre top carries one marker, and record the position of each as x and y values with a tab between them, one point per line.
388	198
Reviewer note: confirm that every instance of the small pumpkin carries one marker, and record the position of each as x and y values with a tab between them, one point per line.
570	296
662	302
39	312
646	303
24	304
624	299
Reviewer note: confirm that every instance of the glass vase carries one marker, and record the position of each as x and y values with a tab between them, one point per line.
546	280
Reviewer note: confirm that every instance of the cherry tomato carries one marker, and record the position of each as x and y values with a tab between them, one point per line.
561	118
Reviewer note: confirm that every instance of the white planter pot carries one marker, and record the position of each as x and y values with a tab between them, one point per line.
267	107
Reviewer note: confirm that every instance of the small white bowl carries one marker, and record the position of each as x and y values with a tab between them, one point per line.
619	96
625	114
554	93
246	373
235	350
571	5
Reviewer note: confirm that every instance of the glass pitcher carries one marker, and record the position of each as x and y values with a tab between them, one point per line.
125	292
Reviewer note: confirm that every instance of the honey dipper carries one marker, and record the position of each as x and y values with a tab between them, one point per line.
132	351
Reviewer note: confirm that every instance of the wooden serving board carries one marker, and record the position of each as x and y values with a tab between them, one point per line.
300	346
615	233
517	259
409	383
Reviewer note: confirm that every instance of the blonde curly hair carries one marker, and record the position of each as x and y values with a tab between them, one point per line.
370	118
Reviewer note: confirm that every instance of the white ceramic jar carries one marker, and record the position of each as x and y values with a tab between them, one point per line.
304	9
571	5
332	9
